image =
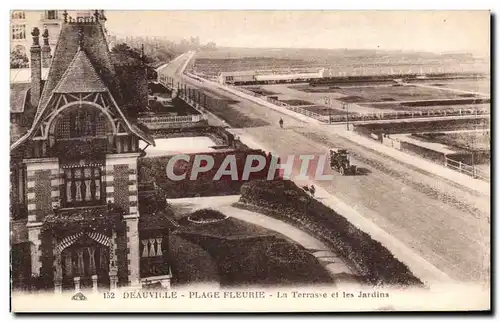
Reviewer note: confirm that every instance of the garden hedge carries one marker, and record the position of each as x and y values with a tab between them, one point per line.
285	201
154	170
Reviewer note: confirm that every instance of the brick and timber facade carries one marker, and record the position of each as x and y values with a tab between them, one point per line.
75	195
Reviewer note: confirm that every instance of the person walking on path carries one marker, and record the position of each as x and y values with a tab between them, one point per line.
281	122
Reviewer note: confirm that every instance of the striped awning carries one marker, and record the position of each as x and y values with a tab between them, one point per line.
100	238
68	241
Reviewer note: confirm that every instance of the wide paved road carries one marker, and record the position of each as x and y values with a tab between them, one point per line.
445	223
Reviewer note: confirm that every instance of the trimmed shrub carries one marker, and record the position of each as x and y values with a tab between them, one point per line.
153	170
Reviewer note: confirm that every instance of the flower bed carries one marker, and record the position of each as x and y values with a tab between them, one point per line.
296	102
415	126
206	216
153	169
285	201
321	110
223	108
247	254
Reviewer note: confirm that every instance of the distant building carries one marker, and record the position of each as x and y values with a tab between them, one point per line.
22	22
252	77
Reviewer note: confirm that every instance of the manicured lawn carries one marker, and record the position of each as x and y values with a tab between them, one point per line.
479	86
176	107
212	66
190	263
315	89
285	201
234	117
248	254
226	110
260	91
398	93
369	94
474	85
464	140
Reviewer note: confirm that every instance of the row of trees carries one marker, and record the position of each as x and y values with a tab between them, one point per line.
161	49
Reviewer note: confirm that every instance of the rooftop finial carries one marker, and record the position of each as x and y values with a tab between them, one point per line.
80	38
45	36
65	15
35	33
96	15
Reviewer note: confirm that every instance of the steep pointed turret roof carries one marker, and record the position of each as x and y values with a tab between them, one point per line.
96	49
80	77
82	63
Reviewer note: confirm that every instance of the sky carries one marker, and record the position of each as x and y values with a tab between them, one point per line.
433	31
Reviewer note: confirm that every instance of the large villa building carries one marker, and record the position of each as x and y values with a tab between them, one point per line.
76	219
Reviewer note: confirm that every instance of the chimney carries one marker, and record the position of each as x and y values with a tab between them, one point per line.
36	68
46	49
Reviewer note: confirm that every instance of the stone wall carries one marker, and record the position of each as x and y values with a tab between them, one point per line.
120	177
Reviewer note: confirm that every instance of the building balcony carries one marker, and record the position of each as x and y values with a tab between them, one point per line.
47	21
91	147
84	218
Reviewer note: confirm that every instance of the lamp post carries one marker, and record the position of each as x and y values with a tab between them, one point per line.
328	102
345	106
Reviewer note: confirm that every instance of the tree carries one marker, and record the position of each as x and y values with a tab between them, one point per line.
18	59
127	56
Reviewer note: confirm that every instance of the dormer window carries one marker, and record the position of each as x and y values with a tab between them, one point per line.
51	14
18	15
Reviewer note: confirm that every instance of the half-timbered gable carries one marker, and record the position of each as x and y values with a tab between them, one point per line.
74	172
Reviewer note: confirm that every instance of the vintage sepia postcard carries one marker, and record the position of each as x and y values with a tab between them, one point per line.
249	161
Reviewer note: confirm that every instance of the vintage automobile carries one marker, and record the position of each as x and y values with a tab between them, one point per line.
340	161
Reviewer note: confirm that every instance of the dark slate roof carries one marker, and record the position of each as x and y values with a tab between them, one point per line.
96	48
80	77
98	55
18	95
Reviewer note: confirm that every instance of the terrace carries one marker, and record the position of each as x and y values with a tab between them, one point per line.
247	254
173	146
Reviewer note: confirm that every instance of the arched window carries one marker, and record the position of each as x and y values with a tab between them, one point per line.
82	122
18	15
